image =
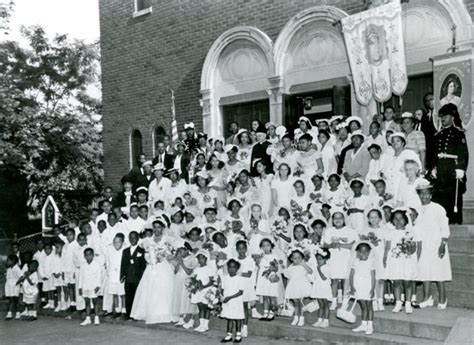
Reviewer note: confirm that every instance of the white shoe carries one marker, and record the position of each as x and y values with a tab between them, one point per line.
189	324
408	308
198	328
245	331
24	312
205	326
301	321
398	307
96	320
57	309
375	305
333	304
318	323
180	322
362	328
9	316
256	314
427	303
324	324
442	306
295	321
369	330
86	322
380	305
17	315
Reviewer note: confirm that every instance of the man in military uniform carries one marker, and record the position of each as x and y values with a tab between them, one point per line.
191	140
449	164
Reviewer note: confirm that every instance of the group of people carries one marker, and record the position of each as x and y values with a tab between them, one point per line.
289	222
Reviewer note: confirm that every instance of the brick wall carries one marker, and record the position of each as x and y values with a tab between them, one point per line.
143	57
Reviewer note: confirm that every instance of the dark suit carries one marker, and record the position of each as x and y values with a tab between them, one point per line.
143	181
259	151
427	127
132	268
120	200
166	159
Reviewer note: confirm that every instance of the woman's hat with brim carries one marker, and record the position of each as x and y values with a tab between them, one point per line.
356	119
159	166
230	147
203	174
142	190
210	208
358	133
229	203
204	253
399	135
270	124
355	180
408	115
180	143
424	184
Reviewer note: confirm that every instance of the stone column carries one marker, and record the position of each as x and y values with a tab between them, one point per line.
275	96
206	104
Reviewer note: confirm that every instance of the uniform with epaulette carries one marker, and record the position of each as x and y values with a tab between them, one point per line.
450	161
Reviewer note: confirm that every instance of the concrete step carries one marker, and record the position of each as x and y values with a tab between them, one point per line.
465	230
462	244
456	298
461	261
462	280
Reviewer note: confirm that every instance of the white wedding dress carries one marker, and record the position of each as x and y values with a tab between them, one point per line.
154	297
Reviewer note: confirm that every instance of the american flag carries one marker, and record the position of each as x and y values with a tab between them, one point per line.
174	124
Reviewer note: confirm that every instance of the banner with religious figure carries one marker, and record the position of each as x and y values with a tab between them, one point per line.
375	48
452	79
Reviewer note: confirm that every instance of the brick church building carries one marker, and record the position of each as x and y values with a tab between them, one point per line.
247	59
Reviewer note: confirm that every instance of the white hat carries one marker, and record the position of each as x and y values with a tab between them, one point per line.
342	125
355	118
424	184
359	133
203	174
270	124
150	163
230	147
280	131
335	118
173	210
159	166
189	125
142	188
180	143
216	139
305	119
398	134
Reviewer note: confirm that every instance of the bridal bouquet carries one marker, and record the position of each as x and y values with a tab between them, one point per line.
280	226
192	285
406	247
298	213
213	297
164	251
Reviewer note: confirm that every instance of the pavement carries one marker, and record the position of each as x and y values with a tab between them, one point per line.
57	331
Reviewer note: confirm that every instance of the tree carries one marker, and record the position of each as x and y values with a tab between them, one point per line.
48	131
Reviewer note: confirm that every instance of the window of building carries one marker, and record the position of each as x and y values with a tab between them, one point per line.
158	137
136	147
142	7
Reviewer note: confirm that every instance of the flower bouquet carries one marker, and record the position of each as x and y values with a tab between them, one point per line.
192	285
271	272
213	297
207	198
405	248
372	238
298	213
280	227
298	171
305	246
164	252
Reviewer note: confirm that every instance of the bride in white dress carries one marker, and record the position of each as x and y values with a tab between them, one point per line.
154	297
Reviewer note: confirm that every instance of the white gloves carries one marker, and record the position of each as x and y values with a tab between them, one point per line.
459	173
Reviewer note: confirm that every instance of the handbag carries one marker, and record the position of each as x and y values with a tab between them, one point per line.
347	315
288	310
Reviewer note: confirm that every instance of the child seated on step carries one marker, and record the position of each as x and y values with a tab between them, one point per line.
362	283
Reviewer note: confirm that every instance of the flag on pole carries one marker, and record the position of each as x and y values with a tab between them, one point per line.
174	124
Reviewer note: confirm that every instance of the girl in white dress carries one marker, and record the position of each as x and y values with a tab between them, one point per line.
400	258
12	290
182	306
259	228
218	176
153	301
248	271
205	273
362	283
263	184
29	281
434	264
268	280
376	233
245	148
299	284
233	286
204	195
321	289
407	195
339	239
282	187
327	153
113	285
336	194
357	206
286	154
300	197
245	191
233	165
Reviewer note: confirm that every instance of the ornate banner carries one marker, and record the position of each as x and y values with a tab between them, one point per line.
452	79
375	47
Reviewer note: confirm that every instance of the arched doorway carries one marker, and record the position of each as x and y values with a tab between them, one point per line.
236	71
136	147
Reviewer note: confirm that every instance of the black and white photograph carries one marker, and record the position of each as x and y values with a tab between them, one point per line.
236	171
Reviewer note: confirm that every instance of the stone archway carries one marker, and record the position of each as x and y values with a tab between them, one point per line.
241	57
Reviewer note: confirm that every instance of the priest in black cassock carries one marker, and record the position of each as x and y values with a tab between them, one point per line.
259	151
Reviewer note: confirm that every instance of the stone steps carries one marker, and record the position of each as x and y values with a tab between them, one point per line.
465	230
462	261
462	245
